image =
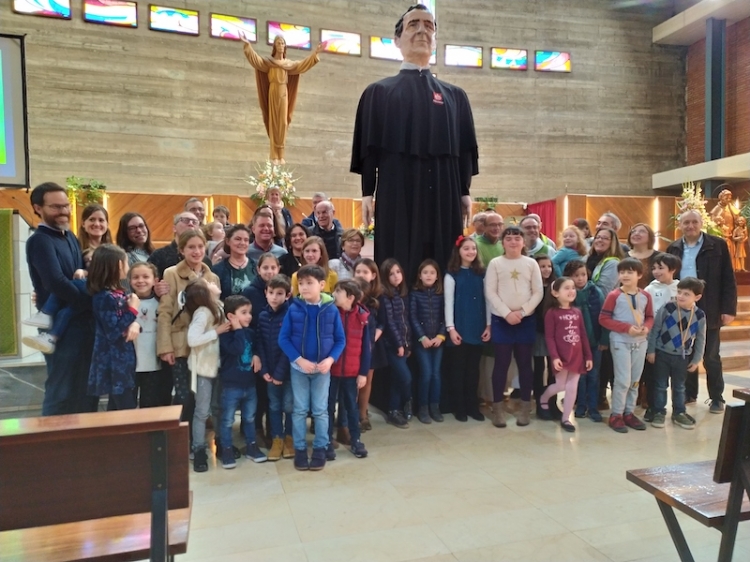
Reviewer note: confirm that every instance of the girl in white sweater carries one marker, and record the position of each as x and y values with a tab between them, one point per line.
207	322
513	289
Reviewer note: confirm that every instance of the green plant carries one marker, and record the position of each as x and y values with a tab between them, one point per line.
487	203
84	191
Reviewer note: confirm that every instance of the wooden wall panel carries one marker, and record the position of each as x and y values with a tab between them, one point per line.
154	112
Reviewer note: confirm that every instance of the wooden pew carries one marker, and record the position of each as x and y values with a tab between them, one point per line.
714	493
103	486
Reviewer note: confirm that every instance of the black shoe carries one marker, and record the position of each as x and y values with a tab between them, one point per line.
407	410
435	413
545	414
460	416
567	426
423	415
200	460
648	416
397	418
237	453
318	459
301	461
478	416
358	449
330	452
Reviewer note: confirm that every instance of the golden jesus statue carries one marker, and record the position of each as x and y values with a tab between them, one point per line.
277	78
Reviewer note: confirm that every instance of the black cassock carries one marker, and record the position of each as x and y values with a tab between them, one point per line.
416	150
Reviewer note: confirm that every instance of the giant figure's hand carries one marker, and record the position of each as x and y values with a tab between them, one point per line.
367	209
466	210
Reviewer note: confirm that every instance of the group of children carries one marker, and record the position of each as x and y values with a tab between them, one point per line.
319	349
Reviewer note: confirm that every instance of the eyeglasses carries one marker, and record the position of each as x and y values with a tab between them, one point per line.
494	225
186	220
59	208
602	238
137	227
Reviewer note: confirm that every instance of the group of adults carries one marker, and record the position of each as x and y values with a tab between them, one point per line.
54	253
702	255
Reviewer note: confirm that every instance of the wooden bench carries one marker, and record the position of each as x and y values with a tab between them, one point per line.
711	492
103	486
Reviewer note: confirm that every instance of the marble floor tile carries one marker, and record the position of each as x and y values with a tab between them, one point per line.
456	491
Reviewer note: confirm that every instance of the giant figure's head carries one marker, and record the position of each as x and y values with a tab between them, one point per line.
415	34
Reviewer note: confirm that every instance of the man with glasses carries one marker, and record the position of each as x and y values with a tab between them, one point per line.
195	206
488	243
535	246
169	255
53	255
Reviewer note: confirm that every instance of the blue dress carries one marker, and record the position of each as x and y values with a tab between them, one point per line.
113	359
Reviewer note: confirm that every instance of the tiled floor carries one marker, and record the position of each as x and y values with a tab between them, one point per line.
459	491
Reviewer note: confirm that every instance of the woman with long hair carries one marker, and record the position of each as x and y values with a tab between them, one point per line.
294	240
134	236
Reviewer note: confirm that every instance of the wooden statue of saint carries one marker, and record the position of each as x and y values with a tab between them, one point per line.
277	78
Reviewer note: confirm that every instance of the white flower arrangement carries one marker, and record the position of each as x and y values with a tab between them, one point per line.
692	200
273	176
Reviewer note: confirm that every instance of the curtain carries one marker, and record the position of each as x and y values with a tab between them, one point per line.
547	210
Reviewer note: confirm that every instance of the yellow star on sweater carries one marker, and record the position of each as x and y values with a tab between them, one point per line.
515	275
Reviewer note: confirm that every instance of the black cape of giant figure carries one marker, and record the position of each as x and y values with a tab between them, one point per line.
416	150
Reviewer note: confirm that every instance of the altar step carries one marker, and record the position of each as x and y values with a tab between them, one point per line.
735	339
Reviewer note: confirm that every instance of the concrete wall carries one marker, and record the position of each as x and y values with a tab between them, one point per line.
155	112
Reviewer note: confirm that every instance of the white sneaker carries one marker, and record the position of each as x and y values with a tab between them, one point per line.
39	320
43	342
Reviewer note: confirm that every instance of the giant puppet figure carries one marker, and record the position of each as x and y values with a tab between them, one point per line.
277	79
416	150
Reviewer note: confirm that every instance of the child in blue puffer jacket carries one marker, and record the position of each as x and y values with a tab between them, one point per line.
312	337
275	367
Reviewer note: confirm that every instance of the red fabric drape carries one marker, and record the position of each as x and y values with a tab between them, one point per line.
547	210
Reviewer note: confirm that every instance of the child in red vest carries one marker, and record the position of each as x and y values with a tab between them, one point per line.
349	373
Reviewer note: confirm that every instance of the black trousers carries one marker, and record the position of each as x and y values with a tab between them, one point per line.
154	388
714	371
462	362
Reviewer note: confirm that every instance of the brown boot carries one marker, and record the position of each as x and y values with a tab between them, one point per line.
287	451
523	416
498	417
343	437
277	447
512	405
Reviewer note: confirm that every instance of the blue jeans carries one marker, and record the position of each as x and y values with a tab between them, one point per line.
588	385
344	388
429	373
65	390
244	399
61	314
280	402
310	393
666	367
400	387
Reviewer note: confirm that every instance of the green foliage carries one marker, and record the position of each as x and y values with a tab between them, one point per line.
487	203
84	191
